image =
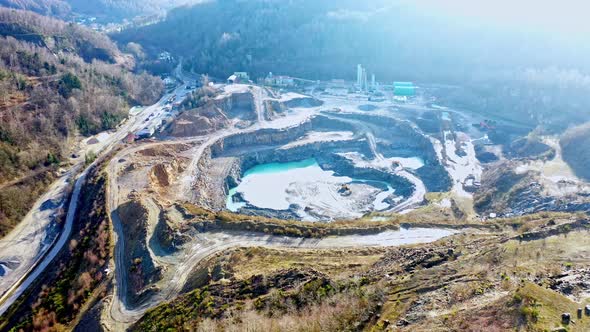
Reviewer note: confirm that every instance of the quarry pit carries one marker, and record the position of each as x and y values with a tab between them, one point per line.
255	167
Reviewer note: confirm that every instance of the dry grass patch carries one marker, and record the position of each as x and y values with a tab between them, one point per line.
335	263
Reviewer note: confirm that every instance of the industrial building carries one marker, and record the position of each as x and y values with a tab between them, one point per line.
404	89
280	81
362	80
238	77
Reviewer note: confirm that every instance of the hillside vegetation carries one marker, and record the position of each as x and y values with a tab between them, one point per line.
575	145
57	36
57	81
103	10
58	8
121	9
506	281
77	275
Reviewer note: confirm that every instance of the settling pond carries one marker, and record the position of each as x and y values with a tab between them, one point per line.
277	186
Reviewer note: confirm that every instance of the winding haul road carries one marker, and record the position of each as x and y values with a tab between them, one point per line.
121	314
25	253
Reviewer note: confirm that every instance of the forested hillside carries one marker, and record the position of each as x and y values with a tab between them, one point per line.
57	8
396	41
104	10
58	36
326	39
57	81
120	9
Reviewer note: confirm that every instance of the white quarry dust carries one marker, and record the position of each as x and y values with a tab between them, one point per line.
460	168
321	136
380	203
445	203
555	175
290	96
383	163
309	186
230	89
272	190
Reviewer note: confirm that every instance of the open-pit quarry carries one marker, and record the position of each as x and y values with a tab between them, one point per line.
250	201
255	153
252	167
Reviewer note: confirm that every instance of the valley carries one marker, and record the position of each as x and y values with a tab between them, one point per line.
322	174
445	189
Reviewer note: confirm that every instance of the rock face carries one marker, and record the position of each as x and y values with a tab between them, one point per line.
396	139
215	115
266	138
393	137
509	194
575	146
162	174
529	148
303	102
142	269
238	105
274	108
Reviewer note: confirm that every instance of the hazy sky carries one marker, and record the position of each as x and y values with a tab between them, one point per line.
568	18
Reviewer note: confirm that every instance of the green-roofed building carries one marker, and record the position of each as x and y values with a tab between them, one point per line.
404	89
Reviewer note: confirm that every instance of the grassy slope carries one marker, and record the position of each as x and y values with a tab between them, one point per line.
472	282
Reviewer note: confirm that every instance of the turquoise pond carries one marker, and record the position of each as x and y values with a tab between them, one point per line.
267	185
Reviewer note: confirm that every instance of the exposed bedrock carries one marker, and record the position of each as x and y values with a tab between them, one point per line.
321	151
303	101
529	148
274	107
435	177
142	270
343	166
324	153
238	105
397	138
261	138
325	123
214	115
212	179
507	193
235	154
199	121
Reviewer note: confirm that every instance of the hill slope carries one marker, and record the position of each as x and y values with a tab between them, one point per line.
326	39
58	8
575	146
55	85
104	10
395	40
